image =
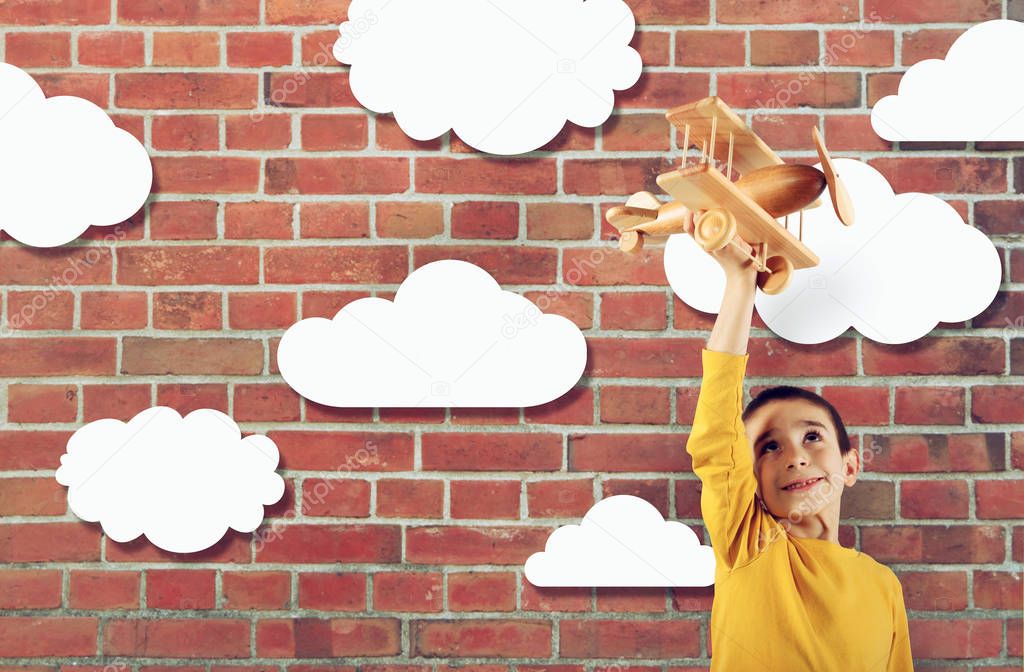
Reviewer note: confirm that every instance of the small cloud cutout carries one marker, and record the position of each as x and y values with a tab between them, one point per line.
968	96
182	482
451	338
505	75
908	263
623	541
64	165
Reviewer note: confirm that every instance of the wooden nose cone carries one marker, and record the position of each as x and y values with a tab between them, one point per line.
783	189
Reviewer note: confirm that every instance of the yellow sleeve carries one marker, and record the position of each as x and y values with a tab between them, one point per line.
900	659
723	461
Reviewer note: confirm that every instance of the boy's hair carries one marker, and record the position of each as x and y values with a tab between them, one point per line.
783	392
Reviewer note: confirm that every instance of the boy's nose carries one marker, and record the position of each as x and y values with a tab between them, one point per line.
797	458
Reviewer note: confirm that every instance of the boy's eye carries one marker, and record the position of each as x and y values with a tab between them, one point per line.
816	435
771	445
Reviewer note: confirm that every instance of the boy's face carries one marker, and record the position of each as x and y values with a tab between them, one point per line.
795	441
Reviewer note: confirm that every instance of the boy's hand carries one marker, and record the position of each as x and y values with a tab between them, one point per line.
737	265
734	260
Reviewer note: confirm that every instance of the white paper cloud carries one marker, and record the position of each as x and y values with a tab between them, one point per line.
452	337
975	93
180	481
908	263
622	541
64	166
504	74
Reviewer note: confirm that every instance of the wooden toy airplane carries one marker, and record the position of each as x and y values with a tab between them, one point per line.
718	211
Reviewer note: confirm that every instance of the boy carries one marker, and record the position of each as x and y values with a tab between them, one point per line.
788	596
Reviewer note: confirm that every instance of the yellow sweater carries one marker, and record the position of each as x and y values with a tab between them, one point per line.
782	603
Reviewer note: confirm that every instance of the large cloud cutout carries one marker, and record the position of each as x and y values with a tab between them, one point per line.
969	95
452	337
623	541
64	166
504	74
907	264
182	482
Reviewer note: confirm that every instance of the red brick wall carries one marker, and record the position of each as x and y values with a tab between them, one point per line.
187	307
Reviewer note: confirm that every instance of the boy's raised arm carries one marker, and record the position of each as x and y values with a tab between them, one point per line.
732	326
722	457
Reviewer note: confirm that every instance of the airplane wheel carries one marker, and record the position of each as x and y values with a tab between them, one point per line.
631	242
781	271
715	229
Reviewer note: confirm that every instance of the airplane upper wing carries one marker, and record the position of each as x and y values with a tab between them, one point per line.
749	150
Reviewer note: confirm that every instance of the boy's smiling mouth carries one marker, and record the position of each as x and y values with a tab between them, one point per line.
802	484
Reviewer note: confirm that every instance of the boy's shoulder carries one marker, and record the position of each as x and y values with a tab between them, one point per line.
882	573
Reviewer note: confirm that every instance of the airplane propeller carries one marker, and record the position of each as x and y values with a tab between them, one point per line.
841	201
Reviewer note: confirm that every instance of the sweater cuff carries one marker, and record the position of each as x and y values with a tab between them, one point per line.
726	362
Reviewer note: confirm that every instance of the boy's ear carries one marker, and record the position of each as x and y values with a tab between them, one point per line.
851	466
